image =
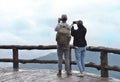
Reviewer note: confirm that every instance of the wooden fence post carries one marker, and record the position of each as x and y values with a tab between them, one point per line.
15	59
104	62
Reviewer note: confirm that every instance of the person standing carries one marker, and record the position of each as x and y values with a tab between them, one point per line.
63	47
80	44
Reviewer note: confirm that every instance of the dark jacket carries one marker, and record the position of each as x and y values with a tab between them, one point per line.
79	36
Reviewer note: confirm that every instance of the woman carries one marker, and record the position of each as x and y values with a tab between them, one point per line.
80	44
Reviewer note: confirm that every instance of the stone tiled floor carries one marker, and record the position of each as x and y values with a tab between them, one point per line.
46	75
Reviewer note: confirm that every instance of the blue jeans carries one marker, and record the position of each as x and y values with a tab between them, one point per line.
80	54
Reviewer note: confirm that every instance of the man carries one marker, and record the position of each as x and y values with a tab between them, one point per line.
79	44
63	49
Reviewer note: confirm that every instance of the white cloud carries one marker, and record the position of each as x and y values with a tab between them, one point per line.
26	21
9	38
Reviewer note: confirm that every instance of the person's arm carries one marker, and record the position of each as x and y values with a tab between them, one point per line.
58	25
72	31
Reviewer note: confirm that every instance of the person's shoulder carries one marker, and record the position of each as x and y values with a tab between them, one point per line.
68	26
59	25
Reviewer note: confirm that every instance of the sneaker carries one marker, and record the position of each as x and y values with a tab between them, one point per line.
59	74
69	73
80	75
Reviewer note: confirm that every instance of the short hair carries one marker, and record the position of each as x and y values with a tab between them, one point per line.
64	17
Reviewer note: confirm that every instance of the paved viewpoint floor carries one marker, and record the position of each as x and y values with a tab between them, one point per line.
45	75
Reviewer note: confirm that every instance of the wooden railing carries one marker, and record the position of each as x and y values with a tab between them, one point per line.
104	67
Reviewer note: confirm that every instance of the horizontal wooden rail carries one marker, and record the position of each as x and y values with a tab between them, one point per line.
42	47
100	48
28	47
89	64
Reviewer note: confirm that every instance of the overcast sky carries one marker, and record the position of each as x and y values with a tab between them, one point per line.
32	22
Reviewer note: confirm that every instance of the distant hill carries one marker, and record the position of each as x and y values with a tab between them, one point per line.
53	56
90	57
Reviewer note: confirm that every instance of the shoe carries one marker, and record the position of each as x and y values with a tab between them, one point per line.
59	73
69	73
80	75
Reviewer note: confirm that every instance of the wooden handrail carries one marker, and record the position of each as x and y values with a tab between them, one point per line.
100	48
104	67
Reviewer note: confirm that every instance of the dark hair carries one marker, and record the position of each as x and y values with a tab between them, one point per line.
64	19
